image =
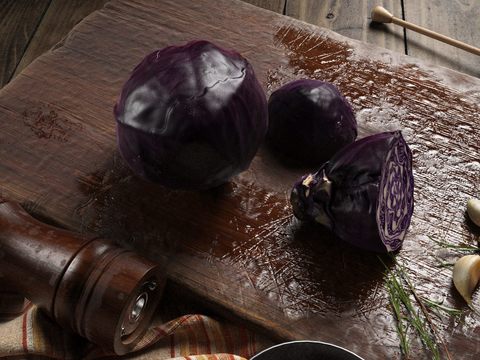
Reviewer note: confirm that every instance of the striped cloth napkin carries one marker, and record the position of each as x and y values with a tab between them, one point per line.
190	337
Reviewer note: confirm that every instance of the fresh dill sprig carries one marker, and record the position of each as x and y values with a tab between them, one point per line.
417	322
428	328
400	288
436	305
458	247
402	327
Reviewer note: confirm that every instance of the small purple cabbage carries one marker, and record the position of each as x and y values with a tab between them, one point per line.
191	116
364	194
309	121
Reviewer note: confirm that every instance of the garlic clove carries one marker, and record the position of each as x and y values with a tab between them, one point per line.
473	210
466	274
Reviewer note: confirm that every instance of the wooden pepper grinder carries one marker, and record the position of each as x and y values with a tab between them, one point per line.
99	290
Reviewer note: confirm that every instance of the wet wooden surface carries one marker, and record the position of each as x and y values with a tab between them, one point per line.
28	28
351	19
457	19
238	249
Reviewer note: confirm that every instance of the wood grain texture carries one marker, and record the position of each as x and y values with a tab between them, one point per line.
351	18
238	247
59	19
272	5
459	19
18	22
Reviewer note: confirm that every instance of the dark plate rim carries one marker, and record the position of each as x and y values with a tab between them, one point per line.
308	342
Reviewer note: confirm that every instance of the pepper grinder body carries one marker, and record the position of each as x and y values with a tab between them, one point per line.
99	290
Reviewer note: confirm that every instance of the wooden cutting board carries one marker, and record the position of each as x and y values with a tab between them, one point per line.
238	247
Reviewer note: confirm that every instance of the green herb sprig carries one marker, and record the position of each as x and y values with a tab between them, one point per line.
457	247
401	291
436	305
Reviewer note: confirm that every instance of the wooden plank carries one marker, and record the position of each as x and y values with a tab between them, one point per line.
62	16
59	19
238	248
18	22
272	5
351	18
457	19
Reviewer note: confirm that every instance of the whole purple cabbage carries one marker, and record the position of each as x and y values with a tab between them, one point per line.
364	194
191	116
309	121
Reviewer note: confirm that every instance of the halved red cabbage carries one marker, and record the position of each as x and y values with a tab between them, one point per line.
309	121
364	194
191	116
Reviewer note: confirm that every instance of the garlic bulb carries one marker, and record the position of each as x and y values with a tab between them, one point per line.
466	274
473	210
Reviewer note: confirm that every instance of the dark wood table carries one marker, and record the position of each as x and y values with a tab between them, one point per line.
58	78
28	28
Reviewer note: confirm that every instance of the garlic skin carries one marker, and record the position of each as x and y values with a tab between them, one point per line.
466	274
473	210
